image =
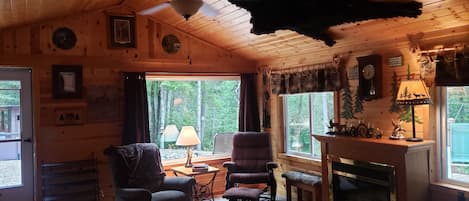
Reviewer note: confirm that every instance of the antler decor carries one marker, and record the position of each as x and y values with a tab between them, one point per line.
313	18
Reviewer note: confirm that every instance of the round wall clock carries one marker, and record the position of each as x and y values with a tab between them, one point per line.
368	72
64	38
171	44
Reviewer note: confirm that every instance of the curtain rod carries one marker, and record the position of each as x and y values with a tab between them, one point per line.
455	47
438	50
304	67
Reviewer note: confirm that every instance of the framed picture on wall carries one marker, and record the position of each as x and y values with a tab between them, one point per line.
67	81
122	31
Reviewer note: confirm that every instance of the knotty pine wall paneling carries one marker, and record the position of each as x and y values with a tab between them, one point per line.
375	111
31	46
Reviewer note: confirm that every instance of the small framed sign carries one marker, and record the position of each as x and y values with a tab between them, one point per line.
395	61
353	73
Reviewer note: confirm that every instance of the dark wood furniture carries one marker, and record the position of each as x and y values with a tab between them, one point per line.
303	182
202	191
410	159
71	180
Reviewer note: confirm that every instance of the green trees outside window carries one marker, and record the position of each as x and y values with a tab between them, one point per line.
455	133
210	106
306	114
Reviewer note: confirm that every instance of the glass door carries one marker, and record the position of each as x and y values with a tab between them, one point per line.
16	148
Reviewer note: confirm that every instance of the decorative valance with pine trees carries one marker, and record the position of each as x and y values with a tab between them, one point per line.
314	78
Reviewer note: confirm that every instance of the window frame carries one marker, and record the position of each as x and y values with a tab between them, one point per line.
442	139
311	155
166	76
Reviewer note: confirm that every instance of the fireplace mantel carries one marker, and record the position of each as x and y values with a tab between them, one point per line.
410	159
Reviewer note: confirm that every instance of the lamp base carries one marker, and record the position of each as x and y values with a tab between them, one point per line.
414	139
189	157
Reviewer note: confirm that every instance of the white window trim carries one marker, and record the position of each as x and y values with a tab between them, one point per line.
441	139
311	155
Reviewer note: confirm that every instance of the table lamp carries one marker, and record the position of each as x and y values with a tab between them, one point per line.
188	137
170	133
413	92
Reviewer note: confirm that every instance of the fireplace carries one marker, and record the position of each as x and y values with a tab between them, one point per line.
352	180
381	169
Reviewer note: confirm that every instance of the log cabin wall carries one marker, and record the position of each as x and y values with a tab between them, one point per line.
31	46
375	111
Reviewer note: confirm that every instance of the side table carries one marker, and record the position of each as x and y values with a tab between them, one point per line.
202	191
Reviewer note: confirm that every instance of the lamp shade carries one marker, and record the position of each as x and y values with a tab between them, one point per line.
413	92
170	133
186	8
187	137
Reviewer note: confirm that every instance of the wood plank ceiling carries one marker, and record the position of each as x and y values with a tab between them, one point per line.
231	28
19	12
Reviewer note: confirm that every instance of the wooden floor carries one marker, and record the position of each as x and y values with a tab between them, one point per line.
279	198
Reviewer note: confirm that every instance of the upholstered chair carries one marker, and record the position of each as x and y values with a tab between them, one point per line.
138	175
251	161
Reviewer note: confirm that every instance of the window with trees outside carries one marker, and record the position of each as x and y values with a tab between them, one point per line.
208	103
454	127
306	114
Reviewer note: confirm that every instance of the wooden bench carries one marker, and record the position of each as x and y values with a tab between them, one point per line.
303	182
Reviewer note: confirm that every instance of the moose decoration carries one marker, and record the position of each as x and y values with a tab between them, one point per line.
313	18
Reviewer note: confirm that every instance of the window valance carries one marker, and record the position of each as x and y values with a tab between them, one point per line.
315	78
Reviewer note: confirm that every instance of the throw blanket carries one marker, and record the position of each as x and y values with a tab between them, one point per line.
143	162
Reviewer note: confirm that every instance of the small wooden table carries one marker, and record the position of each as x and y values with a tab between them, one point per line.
202	191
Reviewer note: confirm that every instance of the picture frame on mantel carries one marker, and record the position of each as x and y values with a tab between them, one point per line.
122	31
67	81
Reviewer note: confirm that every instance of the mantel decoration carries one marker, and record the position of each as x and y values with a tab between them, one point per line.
413	92
313	18
67	81
122	31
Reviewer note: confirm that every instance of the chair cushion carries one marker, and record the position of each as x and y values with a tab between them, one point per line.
249	178
169	195
243	193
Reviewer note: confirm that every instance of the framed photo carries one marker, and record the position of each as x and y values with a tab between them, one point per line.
122	31
67	81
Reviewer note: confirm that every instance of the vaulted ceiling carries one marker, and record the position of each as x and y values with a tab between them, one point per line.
231	28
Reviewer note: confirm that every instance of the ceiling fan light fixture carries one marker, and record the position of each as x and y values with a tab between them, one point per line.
187	8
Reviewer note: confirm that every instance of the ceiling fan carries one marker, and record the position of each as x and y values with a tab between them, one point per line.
186	8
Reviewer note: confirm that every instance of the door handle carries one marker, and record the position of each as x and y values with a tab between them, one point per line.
27	140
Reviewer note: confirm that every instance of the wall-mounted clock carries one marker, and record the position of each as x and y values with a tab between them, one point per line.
370	77
64	38
171	44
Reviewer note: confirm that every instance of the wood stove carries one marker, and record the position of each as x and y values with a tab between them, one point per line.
352	180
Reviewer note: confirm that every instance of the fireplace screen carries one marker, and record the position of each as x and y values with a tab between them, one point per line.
360	181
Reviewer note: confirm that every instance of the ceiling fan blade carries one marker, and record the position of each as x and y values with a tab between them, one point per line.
208	10
154	9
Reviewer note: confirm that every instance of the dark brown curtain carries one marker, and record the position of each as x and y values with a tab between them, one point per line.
248	107
136	129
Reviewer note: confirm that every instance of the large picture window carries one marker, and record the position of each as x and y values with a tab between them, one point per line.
306	114
454	133
208	103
